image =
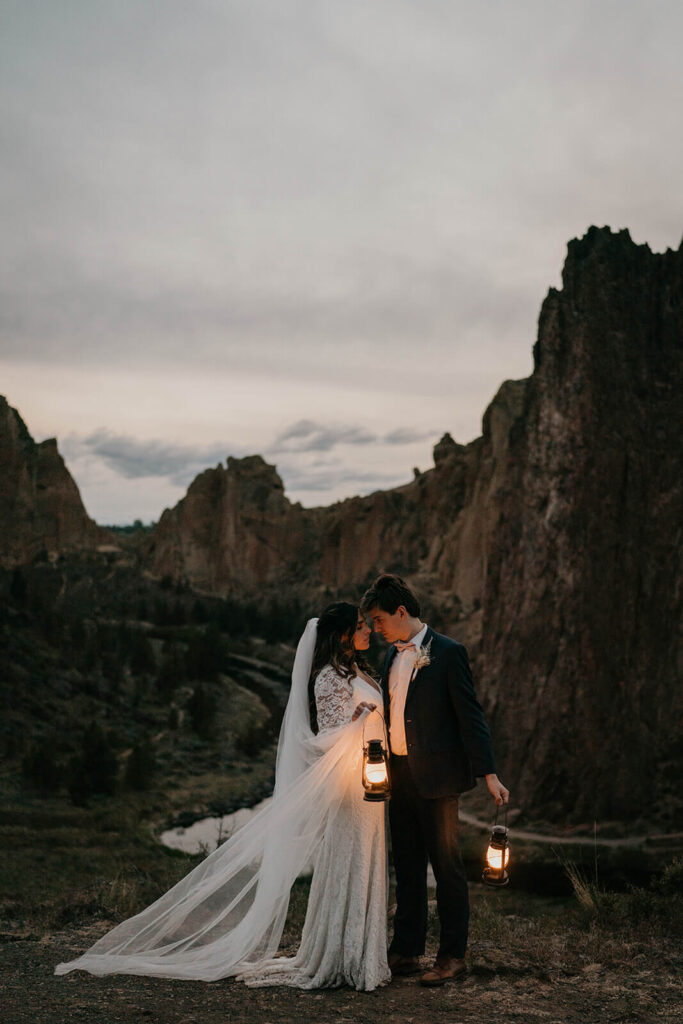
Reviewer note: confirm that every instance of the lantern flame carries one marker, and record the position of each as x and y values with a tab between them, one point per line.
494	858
376	774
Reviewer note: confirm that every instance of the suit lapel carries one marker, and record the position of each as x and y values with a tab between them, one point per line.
429	636
391	654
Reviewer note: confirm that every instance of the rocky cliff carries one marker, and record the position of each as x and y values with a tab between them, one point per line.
40	505
582	595
549	545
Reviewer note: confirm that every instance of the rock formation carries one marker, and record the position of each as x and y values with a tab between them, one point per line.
40	505
234	532
582	595
549	544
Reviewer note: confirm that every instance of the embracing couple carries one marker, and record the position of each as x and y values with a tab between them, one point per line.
227	916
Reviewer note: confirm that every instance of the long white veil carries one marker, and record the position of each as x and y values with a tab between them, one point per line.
227	915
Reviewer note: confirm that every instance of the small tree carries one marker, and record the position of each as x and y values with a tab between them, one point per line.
39	769
172	670
206	653
142	660
19	587
94	769
141	766
202	707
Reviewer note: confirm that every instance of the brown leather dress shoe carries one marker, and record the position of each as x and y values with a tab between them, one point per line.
445	968
401	965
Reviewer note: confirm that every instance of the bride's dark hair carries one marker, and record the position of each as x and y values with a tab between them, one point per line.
334	646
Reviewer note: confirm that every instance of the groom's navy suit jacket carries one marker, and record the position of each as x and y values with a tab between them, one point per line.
448	740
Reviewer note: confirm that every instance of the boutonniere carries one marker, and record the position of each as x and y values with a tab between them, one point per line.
422	658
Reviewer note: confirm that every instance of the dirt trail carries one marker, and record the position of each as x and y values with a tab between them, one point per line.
673	839
500	986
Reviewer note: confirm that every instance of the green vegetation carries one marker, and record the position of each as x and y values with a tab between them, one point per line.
60	864
96	701
655	907
124	703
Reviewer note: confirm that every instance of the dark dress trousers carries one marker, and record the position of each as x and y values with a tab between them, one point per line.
448	746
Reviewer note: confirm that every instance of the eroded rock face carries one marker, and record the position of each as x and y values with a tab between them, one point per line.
582	597
548	545
40	505
234	532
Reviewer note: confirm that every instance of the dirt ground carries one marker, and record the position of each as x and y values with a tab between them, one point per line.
499	987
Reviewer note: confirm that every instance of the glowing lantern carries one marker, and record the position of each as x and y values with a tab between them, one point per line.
375	770
497	856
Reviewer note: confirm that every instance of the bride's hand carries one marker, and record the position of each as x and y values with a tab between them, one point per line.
361	708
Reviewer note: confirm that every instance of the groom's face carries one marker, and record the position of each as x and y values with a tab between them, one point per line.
392	626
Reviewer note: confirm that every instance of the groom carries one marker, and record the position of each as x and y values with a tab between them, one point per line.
440	743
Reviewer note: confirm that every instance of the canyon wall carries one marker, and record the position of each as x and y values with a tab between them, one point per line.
581	648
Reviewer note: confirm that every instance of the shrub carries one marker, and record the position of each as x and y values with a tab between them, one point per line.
250	741
206	654
94	769
659	906
40	770
142	660
172	671
140	767
202	707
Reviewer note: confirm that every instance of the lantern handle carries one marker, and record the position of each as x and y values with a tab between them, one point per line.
375	711
505	815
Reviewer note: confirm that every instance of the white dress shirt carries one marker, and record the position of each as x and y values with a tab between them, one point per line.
400	675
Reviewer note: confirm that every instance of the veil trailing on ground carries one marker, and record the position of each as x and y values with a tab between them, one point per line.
227	915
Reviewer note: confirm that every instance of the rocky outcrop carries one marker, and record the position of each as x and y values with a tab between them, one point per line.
40	505
549	544
582	596
234	532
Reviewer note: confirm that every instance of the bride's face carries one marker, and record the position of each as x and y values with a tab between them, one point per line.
361	638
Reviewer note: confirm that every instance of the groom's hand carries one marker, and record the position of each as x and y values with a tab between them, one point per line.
361	708
497	790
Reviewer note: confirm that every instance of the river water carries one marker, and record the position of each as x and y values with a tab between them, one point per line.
208	833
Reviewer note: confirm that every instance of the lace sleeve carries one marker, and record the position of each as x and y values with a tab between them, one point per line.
333	698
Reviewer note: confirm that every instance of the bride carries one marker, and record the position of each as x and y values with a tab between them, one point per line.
226	917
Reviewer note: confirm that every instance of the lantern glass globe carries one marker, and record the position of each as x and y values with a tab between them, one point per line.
376	773
497	859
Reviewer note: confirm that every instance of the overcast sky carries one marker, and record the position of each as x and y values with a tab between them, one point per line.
316	229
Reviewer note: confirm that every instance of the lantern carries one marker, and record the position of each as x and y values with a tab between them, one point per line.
497	855
375	769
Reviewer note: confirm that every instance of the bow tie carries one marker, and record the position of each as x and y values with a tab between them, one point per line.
401	646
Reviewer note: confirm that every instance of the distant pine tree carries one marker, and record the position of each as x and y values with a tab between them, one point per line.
40	769
206	653
201	708
172	671
93	770
19	587
140	767
142	660
200	612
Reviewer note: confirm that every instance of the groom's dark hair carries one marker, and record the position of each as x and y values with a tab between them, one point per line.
388	593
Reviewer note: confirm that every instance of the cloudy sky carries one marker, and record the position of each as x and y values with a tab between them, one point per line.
316	229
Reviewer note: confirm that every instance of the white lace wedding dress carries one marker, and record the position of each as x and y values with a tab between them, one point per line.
344	939
226	917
